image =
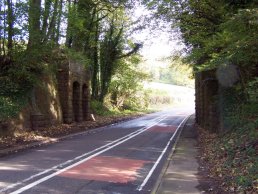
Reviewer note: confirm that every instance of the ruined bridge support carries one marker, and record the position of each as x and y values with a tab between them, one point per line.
73	87
62	97
207	112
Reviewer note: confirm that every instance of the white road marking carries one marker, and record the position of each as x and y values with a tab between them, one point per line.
160	157
156	120
109	146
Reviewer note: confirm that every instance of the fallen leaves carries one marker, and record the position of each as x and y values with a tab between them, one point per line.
25	137
232	159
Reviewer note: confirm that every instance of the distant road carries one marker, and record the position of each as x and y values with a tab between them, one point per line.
124	158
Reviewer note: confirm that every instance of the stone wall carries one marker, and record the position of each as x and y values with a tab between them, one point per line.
73	87
46	110
207	112
60	98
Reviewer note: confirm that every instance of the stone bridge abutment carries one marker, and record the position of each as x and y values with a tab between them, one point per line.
207	97
73	86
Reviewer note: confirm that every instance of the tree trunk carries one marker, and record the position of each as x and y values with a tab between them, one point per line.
95	66
51	30
46	17
1	27
34	23
60	11
4	37
10	21
69	36
35	37
106	74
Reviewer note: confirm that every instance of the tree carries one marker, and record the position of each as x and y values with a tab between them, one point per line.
126	84
3	28
34	23
97	30
31	30
204	26
10	21
112	51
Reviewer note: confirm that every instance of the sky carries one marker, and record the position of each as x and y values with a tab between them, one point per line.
156	45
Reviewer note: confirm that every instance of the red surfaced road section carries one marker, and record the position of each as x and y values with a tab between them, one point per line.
163	128
104	168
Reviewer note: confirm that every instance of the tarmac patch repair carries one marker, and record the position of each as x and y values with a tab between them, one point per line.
105	168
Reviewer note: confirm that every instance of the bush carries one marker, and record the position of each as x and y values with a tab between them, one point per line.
99	109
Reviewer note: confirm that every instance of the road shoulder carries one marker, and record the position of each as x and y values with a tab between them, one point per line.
31	139
181	171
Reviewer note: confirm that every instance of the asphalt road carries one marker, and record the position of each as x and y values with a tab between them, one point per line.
123	158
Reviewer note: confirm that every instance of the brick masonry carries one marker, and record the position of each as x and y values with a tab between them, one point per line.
71	99
207	94
73	87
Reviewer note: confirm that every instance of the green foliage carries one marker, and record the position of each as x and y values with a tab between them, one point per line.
126	88
78	57
112	49
10	106
235	43
20	74
215	32
109	52
237	150
16	81
237	147
178	73
99	109
252	90
95	37
224	33
237	108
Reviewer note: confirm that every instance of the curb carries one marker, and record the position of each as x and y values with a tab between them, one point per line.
166	165
36	144
8	151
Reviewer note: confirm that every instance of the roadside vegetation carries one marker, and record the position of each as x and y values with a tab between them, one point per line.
233	155
217	35
222	35
36	35
177	72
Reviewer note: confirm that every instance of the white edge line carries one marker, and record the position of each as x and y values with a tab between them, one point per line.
62	164
160	157
84	160
171	153
72	160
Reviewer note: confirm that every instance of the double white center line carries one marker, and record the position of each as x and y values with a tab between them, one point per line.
75	161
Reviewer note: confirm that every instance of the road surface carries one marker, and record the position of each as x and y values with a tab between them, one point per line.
121	158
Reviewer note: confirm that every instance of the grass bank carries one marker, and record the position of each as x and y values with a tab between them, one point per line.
232	157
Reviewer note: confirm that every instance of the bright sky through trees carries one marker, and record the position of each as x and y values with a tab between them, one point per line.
158	43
